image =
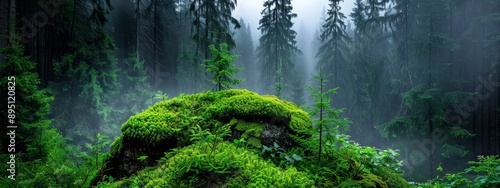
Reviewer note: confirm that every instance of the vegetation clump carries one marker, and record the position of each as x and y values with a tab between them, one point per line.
166	125
235	138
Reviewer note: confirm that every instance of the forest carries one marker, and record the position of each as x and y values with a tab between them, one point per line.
200	93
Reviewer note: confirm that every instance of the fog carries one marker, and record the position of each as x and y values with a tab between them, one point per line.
422	80
309	13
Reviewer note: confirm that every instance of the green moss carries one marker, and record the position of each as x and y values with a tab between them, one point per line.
391	178
250	131
166	124
240	167
117	145
371	180
168	118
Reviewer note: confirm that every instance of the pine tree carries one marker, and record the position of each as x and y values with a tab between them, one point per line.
277	43
246	51
211	24
334	42
87	77
28	105
424	55
326	118
222	67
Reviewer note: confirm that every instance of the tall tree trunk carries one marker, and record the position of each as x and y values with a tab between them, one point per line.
73	20
4	24
138	27
155	46
12	21
431	156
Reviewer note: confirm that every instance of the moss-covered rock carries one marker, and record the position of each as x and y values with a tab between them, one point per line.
165	125
179	143
226	166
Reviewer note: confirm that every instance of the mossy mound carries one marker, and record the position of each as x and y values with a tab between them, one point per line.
200	165
166	125
179	143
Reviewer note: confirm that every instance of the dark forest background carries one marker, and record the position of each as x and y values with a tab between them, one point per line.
420	76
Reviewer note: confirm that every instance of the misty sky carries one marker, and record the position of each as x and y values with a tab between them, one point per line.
308	11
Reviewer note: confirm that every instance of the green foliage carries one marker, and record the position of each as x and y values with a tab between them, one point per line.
278	86
230	166
63	165
208	117
347	164
334	40
251	132
28	104
222	67
211	23
327	118
202	154
277	47
86	82
33	136
160	96
239	142
135	90
480	174
279	156
428	118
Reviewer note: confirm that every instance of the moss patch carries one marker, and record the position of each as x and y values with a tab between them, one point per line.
229	166
166	124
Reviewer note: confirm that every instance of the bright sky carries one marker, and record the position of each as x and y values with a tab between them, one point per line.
308	11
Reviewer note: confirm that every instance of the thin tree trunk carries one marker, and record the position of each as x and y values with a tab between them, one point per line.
155	46
431	156
12	21
73	20
138	27
320	116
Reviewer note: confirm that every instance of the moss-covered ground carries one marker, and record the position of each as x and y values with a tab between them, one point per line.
237	138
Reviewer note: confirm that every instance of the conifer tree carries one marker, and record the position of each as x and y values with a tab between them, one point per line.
211	24
27	107
222	68
246	51
277	43
327	119
334	41
86	78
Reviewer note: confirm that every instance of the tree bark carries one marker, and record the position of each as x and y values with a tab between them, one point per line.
4	24
12	21
138	27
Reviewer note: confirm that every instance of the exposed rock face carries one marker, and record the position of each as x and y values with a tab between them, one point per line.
167	125
275	134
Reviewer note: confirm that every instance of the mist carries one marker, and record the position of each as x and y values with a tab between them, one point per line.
411	83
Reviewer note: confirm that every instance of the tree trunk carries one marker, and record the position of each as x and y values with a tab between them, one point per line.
138	27
4	24
12	21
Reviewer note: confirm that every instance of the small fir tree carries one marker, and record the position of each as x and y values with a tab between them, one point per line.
222	67
326	118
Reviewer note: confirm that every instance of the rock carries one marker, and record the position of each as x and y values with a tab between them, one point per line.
167	124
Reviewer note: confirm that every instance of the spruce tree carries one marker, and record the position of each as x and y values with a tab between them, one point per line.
277	47
27	107
246	51
86	78
222	68
211	24
327	119
334	45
